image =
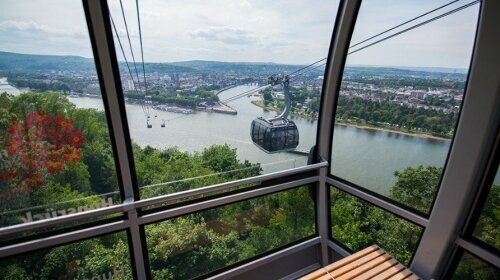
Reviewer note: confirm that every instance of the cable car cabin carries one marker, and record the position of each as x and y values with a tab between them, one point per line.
274	135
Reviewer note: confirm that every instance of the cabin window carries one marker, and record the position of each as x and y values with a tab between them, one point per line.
56	154
400	97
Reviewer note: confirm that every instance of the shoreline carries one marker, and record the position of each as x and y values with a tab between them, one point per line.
359	126
291	113
419	135
366	127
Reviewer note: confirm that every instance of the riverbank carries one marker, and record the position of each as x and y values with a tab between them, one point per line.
10	89
375	128
259	103
355	150
295	113
218	107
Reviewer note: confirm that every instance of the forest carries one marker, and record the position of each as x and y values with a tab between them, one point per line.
55	157
358	224
395	116
359	111
417	82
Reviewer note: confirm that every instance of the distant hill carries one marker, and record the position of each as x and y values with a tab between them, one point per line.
163	67
437	69
31	62
217	66
446	70
422	72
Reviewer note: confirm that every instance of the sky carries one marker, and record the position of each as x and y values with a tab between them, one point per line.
280	31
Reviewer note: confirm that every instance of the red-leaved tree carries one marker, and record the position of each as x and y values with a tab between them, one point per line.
35	148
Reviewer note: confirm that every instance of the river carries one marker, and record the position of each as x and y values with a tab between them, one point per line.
5	87
365	157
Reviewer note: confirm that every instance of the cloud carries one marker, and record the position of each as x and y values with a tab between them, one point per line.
281	31
245	5
32	37
226	34
33	27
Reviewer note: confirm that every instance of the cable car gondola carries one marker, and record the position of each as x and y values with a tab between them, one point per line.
279	133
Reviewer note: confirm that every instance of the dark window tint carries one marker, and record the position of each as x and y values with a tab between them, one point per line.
400	98
358	224
190	109
473	268
105	257
56	156
487	228
196	244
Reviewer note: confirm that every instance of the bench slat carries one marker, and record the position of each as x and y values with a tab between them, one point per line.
377	270
314	275
366	267
391	271
369	263
401	275
413	277
325	277
356	263
352	257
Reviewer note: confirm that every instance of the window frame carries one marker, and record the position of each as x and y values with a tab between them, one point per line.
133	218
448	154
261	191
392	212
466	241
485	52
481	197
430	257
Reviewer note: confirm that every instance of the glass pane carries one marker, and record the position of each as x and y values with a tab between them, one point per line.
106	257
400	99
193	245
55	152
180	110
488	225
472	268
358	224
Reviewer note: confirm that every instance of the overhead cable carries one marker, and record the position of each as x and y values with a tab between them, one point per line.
404	23
124	56
130	44
307	66
308	70
416	26
142	50
302	70
243	94
392	28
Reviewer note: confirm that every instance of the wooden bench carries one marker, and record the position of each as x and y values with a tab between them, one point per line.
370	263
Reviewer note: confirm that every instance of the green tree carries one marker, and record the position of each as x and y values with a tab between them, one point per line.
358	224
268	97
416	187
107	261
472	268
220	158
